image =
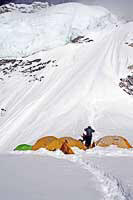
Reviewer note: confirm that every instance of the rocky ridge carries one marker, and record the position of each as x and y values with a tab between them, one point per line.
32	8
27	68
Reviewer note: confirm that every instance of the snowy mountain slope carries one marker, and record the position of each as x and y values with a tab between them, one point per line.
82	90
80	84
25	33
60	91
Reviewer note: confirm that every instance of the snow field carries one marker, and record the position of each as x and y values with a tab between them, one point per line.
43	177
112	187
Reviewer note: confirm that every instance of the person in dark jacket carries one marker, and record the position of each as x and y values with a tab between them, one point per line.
88	136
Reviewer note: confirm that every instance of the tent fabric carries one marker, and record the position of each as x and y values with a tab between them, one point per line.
119	141
66	149
52	143
23	147
43	142
73	142
56	144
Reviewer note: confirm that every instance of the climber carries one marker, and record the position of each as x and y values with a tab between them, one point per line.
88	136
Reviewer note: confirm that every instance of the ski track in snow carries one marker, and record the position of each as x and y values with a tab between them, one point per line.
111	186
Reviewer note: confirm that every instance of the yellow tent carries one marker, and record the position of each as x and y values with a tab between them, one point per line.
119	141
43	142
